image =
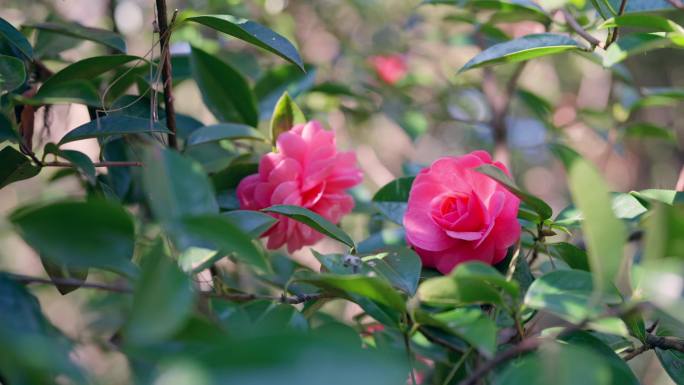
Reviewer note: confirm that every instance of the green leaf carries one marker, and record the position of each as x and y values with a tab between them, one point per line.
176	187
313	220
224	90
12	74
671	360
652	22
522	9
647	130
15	166
569	294
619	370
77	158
633	44
57	272
469	283
285	116
392	199
162	299
7	131
217	232
373	288
543	209
97	35
274	83
113	125
73	91
73	234
15	38
470	324
658	97
575	257
401	266
665	233
222	131
80	71
605	235
252	33
523	48
253	223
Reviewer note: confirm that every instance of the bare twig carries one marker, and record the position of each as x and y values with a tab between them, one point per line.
572	23
240	297
167	78
96	164
653	342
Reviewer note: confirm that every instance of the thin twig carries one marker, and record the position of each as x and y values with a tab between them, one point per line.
572	23
241	297
96	164
167	78
525	346
653	342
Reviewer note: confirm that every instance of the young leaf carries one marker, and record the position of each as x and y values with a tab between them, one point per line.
392	199
162	300
12	73
222	131
605	235
73	234
313	220
543	209
252	33
15	166
224	90
97	35
523	48
15	38
112	125
285	116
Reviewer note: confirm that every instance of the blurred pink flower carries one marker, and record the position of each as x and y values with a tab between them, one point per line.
390	68
307	171
456	214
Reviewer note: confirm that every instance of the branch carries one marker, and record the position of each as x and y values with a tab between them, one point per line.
167	78
616	31
525	346
653	342
240	297
572	23
96	164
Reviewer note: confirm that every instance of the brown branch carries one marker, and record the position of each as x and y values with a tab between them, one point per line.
575	26
167	78
240	297
96	164
525	346
653	342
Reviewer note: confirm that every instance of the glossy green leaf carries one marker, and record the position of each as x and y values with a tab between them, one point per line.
647	130
470	324
575	257
633	44
543	209
217	232
15	38
468	283
392	199
654	23
314	221
401	266
569	294
224	90
275	82
12	73
671	360
15	166
70	92
72	234
253	223
523	48
7	131
162	299
252	33
77	158
176	187
113	125
605	235
285	116
373	288
73	29
80	71
223	131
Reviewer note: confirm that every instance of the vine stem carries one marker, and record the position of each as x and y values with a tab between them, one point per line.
167	77
241	297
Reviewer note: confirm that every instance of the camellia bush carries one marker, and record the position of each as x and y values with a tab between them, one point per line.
177	237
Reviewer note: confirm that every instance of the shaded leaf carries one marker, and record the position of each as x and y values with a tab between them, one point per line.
15	38
373	288
543	209
253	223
113	125
222	131
392	199
97	35
575	257
15	166
12	73
77	158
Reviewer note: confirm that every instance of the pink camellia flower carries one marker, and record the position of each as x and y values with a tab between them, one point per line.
456	214
390	68
307	171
